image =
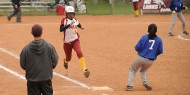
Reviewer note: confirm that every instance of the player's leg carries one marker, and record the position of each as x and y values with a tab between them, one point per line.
77	48
182	19
135	6
174	16
143	71
132	71
68	53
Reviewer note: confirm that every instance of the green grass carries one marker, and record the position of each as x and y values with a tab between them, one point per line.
107	9
31	13
98	9
123	9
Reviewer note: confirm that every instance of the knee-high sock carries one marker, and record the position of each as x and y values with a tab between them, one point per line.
82	63
131	78
144	77
136	12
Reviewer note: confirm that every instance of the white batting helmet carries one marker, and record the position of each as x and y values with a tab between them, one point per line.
69	9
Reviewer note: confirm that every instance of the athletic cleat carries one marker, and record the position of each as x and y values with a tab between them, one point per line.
185	32
65	64
170	34
128	88
147	86
18	21
86	73
136	15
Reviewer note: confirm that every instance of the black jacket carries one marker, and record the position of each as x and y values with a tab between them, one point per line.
38	59
16	2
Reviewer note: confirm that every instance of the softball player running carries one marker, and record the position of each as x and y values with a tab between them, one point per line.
69	26
136	6
148	48
176	7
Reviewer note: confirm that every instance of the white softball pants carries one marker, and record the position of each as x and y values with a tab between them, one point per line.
181	18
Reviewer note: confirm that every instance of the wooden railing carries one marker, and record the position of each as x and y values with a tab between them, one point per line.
26	5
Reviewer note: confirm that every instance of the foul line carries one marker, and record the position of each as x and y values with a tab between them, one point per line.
12	72
56	74
181	37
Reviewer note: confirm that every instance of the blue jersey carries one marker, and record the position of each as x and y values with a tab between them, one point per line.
176	5
149	48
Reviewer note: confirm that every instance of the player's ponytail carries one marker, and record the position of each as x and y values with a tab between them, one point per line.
152	29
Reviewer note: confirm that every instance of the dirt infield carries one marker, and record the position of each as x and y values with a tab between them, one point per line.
108	45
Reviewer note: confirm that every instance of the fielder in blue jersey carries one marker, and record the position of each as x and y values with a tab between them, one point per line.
176	6
148	48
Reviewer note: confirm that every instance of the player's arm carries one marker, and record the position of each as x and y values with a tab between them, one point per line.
63	27
80	26
172	7
183	7
139	45
160	48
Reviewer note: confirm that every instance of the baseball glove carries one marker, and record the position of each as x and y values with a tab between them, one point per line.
185	8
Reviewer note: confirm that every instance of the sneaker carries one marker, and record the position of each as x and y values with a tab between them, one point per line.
136	15
18	21
9	19
147	86
185	32
128	88
170	34
86	73
65	64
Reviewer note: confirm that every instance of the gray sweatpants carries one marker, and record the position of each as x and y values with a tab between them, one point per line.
181	18
141	63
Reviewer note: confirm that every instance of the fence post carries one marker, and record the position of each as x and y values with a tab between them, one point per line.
31	1
112	6
95	1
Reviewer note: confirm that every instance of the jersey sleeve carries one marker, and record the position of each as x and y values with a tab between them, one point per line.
160	48
139	44
171	6
63	21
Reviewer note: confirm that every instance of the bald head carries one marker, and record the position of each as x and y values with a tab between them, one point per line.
37	30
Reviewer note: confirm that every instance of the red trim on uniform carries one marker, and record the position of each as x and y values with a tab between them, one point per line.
136	5
62	21
73	45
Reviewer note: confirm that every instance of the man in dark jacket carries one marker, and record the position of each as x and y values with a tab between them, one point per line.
17	11
38	59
